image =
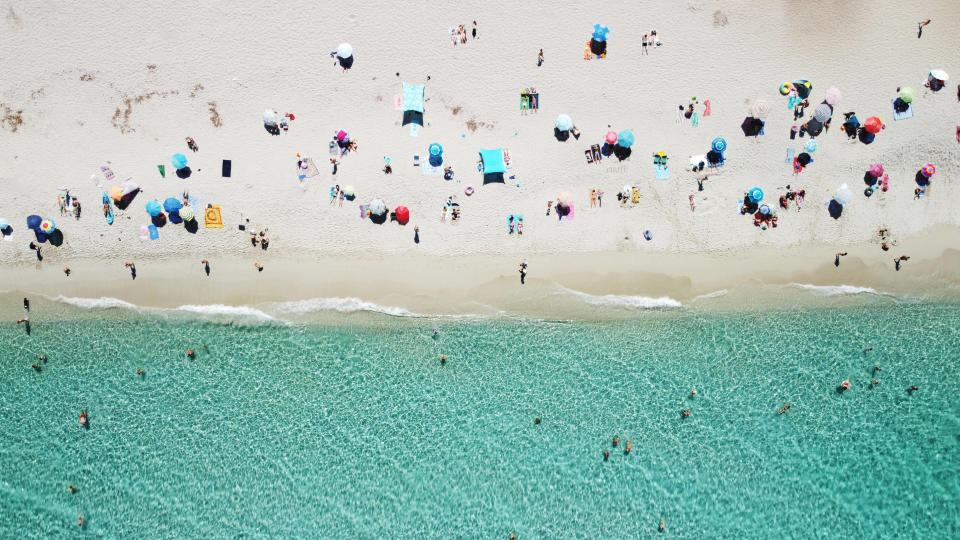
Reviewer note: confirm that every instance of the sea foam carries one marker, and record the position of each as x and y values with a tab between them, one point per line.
104	302
625	301
834	290
340	305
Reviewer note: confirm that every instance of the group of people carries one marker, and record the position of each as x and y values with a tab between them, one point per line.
69	205
791	195
458	34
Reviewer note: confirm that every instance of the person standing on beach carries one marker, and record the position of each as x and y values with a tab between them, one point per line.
133	269
474	29
206	266
540	58
523	272
836	260
644	44
920	26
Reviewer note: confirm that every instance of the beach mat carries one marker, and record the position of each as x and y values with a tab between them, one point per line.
310	171
516	219
790	154
661	172
364	210
903	115
213	217
226	168
154	233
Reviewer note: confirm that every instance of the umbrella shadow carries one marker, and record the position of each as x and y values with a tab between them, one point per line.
835	209
158	220
562	136
412	117
921	180
865	136
493	178
379	220
346	63
191	226
184	173
55	238
869	179
125	201
621	152
8	231
272	129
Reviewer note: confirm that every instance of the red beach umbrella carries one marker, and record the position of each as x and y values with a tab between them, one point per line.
873	125
403	215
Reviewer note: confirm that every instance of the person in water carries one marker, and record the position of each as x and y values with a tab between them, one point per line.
191	354
83	419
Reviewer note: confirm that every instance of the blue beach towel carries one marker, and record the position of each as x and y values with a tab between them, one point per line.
661	172
154	233
903	115
790	153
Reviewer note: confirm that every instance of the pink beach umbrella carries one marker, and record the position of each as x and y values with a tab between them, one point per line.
927	171
833	95
876	170
611	137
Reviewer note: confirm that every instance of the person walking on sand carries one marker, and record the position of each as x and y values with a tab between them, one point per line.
693	205
523	272
258	266
540	58
836	260
66	270
133	269
920	26
474	30
644	44
206	266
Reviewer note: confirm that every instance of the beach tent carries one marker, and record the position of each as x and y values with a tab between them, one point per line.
412	104
833	96
493	165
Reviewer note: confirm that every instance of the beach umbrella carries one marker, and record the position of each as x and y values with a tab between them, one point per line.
600	32
876	170
348	191
47	226
873	125
804	159
611	137
344	50
564	123
939	74
625	139
823	112
843	195
566	199
928	170
172	204
186	213
756	194
179	161
803	87
403	215
719	145
33	221
378	207
811	145
128	187
765	209
833	95
4	224
435	150
907	94
270	117
153	208
760	108
116	193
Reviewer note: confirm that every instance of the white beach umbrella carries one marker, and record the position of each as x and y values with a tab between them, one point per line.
760	108
128	187
270	117
378	207
940	74
843	195
344	50
565	198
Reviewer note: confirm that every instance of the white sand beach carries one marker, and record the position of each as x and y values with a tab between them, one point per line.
121	85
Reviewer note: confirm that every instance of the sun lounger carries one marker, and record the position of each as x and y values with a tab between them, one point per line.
661	172
903	115
635	196
706	111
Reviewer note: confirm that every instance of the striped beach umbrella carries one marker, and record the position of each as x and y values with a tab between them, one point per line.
760	108
823	112
186	213
47	226
756	194
719	145
927	170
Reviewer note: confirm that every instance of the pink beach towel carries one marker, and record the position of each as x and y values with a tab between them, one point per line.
569	214
398	102
706	104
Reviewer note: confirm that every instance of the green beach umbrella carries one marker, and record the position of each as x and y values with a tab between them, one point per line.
907	94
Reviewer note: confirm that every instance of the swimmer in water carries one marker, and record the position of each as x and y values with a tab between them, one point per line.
80	519
190	353
845	385
83	419
36	367
435	332
141	372
685	413
443	360
629	447
616	441
606	455
71	489
693	392
662	525
785	409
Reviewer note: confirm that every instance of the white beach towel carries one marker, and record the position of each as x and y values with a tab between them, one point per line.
430	170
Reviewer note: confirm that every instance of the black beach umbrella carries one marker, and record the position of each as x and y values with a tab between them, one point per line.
803	159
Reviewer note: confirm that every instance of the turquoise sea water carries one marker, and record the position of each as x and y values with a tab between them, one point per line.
358	431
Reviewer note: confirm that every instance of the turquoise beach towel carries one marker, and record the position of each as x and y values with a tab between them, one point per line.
661	172
790	153
695	120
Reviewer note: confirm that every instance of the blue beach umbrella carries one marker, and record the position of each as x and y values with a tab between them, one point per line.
764	210
564	122
171	205
153	208
600	32
33	221
719	145
436	150
756	194
625	138
179	161
3	224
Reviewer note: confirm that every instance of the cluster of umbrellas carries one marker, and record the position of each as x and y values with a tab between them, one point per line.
172	206
624	139
43	228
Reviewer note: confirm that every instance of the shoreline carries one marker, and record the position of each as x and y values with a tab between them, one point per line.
568	285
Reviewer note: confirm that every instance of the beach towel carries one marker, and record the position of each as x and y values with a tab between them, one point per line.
635	196
213	217
163	171
587	53
790	155
762	125
740	207
414	129
430	170
695	120
517	218
706	111
412	97
398	102
311	169
661	172
569	214
903	115
154	233
144	233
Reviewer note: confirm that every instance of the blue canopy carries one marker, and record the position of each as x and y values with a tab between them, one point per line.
719	145
153	208
600	32
172	205
625	139
179	161
435	149
756	194
564	122
412	98
33	221
493	161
